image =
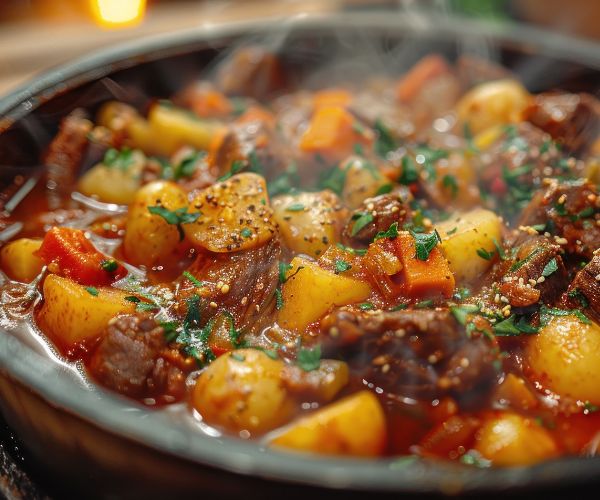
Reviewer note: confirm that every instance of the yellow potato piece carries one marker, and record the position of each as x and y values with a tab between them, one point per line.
493	103
510	439
353	426
149	238
235	215
71	314
243	391
462	235
112	184
565	358
363	180
18	260
309	222
311	291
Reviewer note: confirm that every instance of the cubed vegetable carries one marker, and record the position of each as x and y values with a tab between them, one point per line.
463	235
154	223
19	259
565	358
363	180
353	426
235	215
508	439
309	222
73	313
310	292
242	390
428	68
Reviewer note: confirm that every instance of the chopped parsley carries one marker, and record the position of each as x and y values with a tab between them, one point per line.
385	142
475	459
520	263
286	182
409	173
450	182
187	166
110	265
366	306
384	189
590	408
392	232
92	290
484	254
398	307
353	251
499	249
246	232
236	167
278	298
118	159
425	243
295	207
309	359
132	298
462	312
547	312
333	178
341	266
196	282
579	296
146	306
511	327
175	217
452	231
550	267
424	304
361	219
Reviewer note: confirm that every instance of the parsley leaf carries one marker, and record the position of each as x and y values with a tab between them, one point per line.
366	306
236	167
92	290
484	254
193	279
309	359
384	189
392	232
295	207
175	217
450	182
425	243
286	182
546	312
246	232
278	298
510	327
341	266
362	220
118	159
461	312
550	268
385	142
187	166
409	174
353	251
110	265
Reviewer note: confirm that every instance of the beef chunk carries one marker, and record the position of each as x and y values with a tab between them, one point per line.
571	119
571	212
584	291
413	353
385	210
130	360
521	277
242	282
517	163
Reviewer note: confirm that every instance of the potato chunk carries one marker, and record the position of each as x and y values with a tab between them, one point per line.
493	103
73	313
18	260
235	215
510	439
311	291
363	180
243	390
114	184
309	222
462	235
353	426
565	358
149	237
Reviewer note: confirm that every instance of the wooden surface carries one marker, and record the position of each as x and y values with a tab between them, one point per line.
29	47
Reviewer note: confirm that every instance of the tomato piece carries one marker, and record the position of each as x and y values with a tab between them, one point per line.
69	253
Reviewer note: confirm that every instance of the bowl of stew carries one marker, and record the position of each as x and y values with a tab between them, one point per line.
345	252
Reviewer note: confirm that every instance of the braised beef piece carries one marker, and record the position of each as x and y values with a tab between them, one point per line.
251	71
534	273
241	282
584	291
571	119
64	155
517	163
571	212
130	360
385	210
413	353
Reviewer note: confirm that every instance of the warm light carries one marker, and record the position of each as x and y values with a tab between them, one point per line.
118	13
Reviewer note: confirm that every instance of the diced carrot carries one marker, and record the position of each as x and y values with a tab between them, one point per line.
69	253
209	103
332	97
427	68
423	277
257	114
331	133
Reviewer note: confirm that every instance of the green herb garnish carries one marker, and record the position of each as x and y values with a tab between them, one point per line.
425	243
196	282
362	219
392	232
175	217
550	268
309	359
92	290
341	266
110	266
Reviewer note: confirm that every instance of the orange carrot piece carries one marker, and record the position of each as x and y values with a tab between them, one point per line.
257	114
427	68
331	133
332	97
424	277
210	103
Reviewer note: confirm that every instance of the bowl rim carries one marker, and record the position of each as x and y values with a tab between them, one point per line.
114	415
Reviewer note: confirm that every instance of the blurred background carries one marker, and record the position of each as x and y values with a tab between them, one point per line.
38	34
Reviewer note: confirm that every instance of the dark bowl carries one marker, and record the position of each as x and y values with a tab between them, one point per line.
87	440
